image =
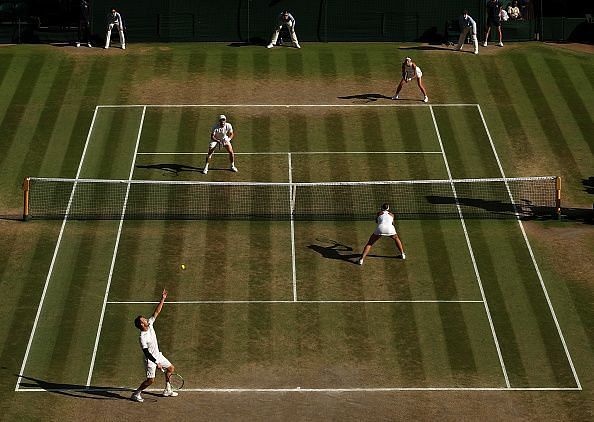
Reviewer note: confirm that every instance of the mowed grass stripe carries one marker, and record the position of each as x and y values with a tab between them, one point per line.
46	124
563	77
536	302
76	321
481	238
327	65
20	300
91	90
24	106
551	129
499	89
356	329
464	137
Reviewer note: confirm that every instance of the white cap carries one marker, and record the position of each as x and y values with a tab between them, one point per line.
222	117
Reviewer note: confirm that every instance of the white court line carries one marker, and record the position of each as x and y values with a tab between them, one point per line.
471	252
281	105
236	302
56	249
540	279
305	389
295	152
115	252
292	205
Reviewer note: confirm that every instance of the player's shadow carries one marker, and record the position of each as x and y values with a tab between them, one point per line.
335	250
172	168
425	47
371	97
75	390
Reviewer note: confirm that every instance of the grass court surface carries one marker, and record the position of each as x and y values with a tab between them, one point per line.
279	306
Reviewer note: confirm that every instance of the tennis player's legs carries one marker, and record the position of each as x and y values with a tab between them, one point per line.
229	149
398	244
421	86
108	35
400	85
372	239
211	148
463	36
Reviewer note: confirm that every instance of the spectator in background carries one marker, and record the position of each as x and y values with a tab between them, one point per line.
494	8
84	23
467	24
115	19
284	19
513	11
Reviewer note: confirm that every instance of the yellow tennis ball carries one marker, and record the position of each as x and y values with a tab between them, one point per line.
183	266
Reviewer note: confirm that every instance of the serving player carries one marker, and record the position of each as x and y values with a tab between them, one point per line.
153	358
411	71
221	134
385	227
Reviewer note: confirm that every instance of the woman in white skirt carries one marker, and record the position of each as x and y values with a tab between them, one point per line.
385	227
411	71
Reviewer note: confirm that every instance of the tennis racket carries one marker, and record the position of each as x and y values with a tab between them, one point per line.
176	380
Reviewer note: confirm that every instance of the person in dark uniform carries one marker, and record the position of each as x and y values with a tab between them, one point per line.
493	19
84	23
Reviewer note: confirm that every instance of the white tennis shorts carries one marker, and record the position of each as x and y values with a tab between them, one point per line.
385	230
214	144
419	73
151	367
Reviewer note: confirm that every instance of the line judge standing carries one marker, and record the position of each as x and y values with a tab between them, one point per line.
467	24
115	19
284	19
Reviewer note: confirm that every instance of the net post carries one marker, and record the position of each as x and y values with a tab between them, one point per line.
558	197
26	188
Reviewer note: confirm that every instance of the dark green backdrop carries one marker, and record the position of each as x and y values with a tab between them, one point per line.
317	20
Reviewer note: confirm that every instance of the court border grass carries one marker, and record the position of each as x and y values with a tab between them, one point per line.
508	387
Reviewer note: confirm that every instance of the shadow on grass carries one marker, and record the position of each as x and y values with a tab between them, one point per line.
366	97
426	47
336	250
170	167
75	390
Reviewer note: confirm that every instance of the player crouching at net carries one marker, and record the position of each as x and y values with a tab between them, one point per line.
153	358
221	135
411	71
385	227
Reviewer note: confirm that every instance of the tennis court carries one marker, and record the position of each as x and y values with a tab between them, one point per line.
280	304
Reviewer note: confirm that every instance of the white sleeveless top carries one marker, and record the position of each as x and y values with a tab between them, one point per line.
385	224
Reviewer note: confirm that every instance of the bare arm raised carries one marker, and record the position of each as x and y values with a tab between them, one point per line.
157	310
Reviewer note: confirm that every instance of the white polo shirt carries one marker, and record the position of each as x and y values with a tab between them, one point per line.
221	132
148	340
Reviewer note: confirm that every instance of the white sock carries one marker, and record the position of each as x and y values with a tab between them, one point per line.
168	386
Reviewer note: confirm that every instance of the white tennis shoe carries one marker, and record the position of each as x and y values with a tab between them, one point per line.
297	45
500	44
403	256
233	168
485	44
360	261
270	45
137	397
395	97
170	393
426	99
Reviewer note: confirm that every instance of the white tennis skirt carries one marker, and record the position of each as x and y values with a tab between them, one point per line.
385	230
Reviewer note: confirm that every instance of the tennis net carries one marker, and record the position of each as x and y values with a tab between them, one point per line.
143	199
